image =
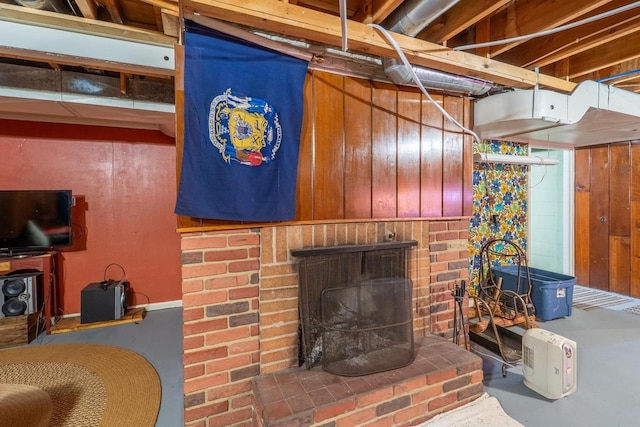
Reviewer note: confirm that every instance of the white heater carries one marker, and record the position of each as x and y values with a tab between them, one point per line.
549	363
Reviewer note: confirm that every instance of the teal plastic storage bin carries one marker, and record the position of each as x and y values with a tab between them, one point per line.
551	293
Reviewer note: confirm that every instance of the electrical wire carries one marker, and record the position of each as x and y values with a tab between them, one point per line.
76	235
131	310
492	356
551	30
544	174
417	81
124	273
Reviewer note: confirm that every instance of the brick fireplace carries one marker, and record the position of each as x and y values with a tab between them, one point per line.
240	299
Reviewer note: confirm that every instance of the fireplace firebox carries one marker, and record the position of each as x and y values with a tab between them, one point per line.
355	307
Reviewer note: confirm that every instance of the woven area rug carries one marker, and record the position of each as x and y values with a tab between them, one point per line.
88	384
484	411
593	299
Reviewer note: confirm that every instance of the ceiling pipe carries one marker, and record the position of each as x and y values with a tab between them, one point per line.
59	6
399	74
411	18
343	24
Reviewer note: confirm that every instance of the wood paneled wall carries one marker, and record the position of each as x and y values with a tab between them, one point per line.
607	217
373	150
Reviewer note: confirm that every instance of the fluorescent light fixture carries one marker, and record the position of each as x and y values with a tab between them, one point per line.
511	159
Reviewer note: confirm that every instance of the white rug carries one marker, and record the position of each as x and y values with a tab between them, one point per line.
591	299
484	411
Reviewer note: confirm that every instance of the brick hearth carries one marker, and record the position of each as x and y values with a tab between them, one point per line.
240	300
443	376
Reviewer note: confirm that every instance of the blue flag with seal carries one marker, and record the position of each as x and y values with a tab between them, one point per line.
242	123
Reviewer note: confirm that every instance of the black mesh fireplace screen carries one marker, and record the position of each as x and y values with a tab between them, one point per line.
355	308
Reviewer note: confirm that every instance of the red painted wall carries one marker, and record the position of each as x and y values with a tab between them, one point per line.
125	183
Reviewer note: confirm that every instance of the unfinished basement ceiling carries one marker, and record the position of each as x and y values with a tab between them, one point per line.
66	95
601	49
596	50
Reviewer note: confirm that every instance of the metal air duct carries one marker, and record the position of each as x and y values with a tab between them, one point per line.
432	79
59	6
411	18
593	114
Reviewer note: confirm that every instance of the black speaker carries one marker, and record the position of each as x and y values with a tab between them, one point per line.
21	294
103	301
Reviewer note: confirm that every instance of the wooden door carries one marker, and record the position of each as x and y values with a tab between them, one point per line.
607	217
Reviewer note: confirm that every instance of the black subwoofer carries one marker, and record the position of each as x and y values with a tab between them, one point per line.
103	301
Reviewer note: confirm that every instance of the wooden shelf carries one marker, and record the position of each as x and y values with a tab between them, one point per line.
19	330
70	324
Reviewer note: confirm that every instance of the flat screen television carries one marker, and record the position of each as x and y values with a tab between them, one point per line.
32	220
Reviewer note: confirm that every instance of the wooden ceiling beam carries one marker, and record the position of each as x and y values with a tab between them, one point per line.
88	8
383	8
596	39
332	7
375	11
157	15
522	18
459	18
43	18
631	85
543	51
615	70
298	22
603	56
43	36
114	9
163	4
364	12
482	35
171	22
628	72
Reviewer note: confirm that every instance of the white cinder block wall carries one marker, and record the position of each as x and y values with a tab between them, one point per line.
550	200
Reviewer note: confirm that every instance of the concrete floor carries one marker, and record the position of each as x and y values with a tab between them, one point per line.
608	393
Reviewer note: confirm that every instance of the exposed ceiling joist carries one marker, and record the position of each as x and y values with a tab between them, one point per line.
459	18
298	22
546	50
382	9
523	18
88	8
76	24
114	9
170	22
628	72
610	54
163	4
468	22
53	38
